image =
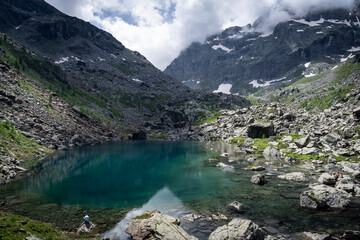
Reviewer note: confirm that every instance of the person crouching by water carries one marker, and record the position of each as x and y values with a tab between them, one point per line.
86	226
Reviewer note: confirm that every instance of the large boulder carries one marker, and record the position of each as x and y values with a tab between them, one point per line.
271	153
328	179
260	130
295	176
346	183
155	225
323	196
240	229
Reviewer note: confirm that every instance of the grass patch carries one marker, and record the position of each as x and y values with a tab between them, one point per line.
309	79
15	227
260	144
158	135
345	71
143	216
326	101
13	141
237	140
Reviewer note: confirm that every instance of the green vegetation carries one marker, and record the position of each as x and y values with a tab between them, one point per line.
237	140
253	101
344	72
326	101
14	142
143	216
309	79
13	227
53	78
158	135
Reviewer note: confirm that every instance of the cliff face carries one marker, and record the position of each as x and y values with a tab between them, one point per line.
247	59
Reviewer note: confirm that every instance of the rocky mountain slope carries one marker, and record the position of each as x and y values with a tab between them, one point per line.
110	81
322	111
243	59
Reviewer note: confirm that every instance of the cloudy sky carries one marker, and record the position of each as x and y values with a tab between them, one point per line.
160	29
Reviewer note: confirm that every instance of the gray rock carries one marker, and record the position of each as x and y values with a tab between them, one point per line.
295	176
260	130
327	179
156	226
302	142
191	217
332	138
323	196
356	113
271	153
254	168
218	217
307	151
238	207
346	183
240	229
258	179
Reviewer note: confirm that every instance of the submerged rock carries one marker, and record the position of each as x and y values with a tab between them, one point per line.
155	225
191	217
218	216
323	196
238	207
258	179
295	176
240	229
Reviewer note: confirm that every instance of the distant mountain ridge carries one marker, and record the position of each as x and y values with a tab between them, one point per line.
247	59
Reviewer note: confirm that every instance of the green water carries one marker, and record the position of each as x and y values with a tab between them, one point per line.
117	181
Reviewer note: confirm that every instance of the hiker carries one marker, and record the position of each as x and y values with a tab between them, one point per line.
86	226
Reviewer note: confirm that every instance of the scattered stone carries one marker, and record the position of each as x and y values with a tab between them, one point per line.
238	207
323	196
258	179
302	142
224	166
271	153
327	179
254	168
346	183
191	217
295	176
238	228
218	217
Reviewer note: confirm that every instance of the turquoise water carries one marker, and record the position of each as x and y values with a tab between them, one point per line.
126	174
115	182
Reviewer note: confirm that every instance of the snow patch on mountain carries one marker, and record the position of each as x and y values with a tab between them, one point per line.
222	47
62	60
354	49
257	84
224	88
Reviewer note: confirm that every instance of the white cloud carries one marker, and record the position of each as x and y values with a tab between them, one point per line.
160	29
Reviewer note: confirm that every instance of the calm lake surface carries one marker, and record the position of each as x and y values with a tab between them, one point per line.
115	182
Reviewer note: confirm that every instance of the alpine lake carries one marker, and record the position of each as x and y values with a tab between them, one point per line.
115	182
